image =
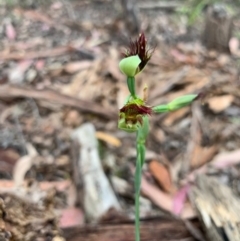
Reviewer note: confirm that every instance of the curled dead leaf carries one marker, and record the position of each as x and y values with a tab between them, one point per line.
180	199
165	201
220	103
162	176
112	140
202	155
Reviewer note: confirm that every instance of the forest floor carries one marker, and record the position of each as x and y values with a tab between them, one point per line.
60	83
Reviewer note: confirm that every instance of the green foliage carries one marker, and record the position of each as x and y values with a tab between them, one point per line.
194	8
175	104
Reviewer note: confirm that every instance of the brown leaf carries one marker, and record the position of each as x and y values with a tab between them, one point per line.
112	140
220	103
163	200
202	155
162	176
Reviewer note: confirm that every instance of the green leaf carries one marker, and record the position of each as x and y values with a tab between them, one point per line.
129	65
181	102
160	108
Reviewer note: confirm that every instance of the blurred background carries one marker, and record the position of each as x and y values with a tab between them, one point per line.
66	171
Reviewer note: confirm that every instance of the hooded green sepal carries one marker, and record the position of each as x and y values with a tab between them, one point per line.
130	65
181	102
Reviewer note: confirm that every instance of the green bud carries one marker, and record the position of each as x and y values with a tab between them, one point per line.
181	102
129	65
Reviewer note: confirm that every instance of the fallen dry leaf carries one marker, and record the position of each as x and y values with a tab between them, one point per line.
10	31
163	200
202	155
226	159
180	199
157	196
112	140
220	103
71	217
162	176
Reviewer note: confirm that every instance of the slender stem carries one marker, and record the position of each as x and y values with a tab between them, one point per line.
137	197
141	139
131	86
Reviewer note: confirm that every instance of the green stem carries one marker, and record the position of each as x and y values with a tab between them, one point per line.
137	197
131	86
141	139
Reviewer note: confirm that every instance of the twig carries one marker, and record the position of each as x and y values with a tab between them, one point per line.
37	54
8	91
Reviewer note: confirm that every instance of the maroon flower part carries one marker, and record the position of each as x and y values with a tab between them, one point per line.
133	113
140	48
